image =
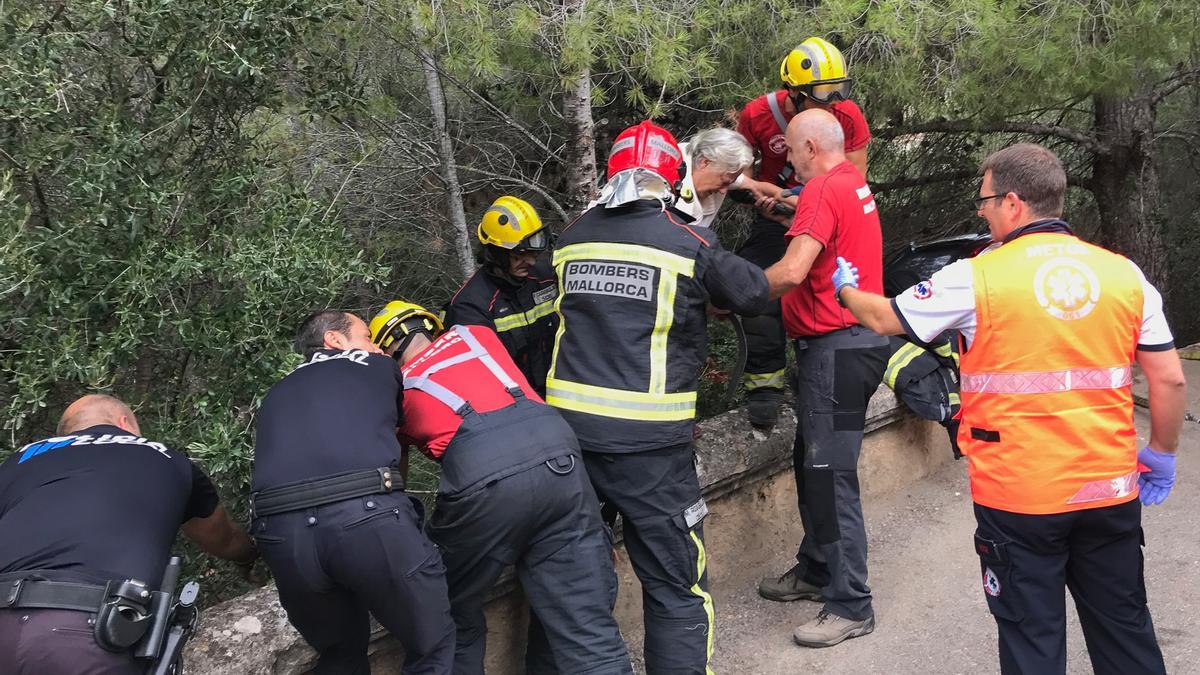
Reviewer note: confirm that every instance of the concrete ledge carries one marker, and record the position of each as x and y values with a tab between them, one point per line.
752	506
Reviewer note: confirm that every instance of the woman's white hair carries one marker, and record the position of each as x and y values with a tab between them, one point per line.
725	148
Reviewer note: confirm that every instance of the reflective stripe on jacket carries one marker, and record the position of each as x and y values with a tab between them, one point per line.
523	316
1047	409
634	283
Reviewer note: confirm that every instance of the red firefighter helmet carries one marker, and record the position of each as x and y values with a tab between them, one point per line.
647	146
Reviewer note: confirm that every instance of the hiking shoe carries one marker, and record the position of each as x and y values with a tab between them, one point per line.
829	629
763	408
788	587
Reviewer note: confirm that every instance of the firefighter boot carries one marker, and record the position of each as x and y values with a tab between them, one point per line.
829	629
763	404
788	587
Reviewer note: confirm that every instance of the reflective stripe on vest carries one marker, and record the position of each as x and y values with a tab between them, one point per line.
773	104
475	350
526	318
653	404
1047	406
1104	490
1075	379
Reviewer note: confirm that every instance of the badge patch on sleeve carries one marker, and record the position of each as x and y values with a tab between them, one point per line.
625	280
548	293
923	290
695	513
991	583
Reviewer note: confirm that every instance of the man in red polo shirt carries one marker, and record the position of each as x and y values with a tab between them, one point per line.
840	364
814	76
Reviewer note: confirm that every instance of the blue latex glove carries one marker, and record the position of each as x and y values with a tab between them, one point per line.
792	192
1156	483
845	275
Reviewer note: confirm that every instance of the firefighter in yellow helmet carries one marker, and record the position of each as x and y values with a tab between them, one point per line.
513	292
468	407
814	75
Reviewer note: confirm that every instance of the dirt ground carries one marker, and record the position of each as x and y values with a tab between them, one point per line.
930	607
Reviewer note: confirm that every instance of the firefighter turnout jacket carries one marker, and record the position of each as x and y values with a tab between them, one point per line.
521	314
634	283
925	378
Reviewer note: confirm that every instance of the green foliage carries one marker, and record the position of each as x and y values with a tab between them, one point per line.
155	245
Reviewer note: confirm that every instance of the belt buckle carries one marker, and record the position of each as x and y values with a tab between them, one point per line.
14	593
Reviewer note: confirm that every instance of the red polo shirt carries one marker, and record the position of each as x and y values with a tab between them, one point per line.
762	131
837	210
430	424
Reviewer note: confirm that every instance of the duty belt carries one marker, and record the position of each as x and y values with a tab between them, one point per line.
39	594
320	491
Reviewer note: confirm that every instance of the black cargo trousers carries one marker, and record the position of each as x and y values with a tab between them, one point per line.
836	373
1026	560
662	511
766	342
338	562
514	491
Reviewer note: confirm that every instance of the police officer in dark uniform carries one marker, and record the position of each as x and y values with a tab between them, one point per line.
513	292
513	491
636	280
87	519
329	511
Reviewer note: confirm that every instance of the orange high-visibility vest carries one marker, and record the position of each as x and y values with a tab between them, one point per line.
1047	407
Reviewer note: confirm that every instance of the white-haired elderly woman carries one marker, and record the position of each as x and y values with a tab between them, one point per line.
715	158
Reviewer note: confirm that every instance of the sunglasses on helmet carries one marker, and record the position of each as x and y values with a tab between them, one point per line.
825	92
538	241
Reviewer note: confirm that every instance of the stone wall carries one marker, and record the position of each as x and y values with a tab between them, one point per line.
746	479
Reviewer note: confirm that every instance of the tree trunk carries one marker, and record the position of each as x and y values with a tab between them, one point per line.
1125	183
445	149
580	182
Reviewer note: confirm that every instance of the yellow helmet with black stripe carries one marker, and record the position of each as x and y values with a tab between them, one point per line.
399	321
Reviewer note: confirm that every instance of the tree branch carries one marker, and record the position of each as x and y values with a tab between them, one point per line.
1088	141
479	98
524	183
58	11
919	181
1174	84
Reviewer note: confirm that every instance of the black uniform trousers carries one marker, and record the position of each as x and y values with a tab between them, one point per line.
336	563
546	521
1025	560
57	642
658	496
836	375
766	341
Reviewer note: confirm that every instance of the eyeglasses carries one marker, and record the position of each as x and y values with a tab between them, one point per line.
978	201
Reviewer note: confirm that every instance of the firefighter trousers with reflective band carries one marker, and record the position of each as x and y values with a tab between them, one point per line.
1026	560
836	374
335	563
657	494
51	641
766	341
544	519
